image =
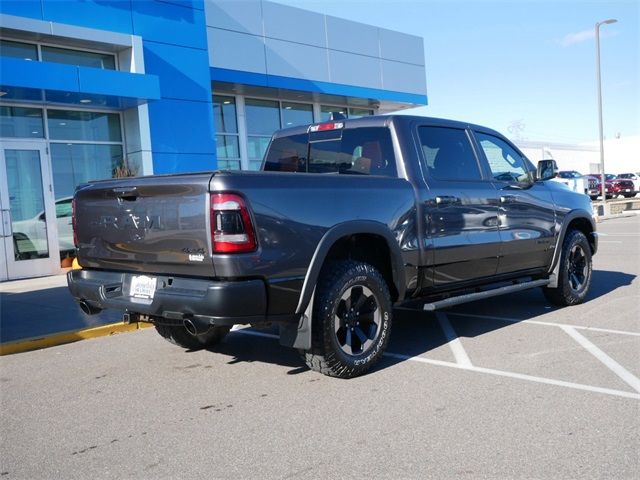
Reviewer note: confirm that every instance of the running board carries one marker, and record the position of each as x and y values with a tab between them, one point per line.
470	297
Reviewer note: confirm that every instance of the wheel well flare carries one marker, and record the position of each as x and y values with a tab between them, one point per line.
369	248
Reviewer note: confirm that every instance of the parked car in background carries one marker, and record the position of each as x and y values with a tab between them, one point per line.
574	180
614	187
30	236
634	177
593	185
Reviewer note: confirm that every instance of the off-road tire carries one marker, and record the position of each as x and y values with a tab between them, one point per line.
575	271
178	335
355	280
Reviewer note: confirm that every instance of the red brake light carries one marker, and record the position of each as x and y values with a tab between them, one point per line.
73	223
231	227
323	127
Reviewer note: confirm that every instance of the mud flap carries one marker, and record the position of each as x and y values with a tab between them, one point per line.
298	336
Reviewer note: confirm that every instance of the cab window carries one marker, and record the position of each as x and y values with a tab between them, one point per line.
505	163
448	155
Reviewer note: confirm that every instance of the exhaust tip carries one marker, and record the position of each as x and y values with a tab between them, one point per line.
191	328
87	308
196	326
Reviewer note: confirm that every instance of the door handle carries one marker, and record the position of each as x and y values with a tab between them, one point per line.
6	223
447	200
508	198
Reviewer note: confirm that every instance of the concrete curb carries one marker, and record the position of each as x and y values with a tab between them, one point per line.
37	343
626	214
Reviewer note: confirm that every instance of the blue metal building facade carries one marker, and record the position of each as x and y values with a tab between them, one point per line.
177	86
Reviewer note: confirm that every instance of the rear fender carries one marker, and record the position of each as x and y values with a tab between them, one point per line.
299	335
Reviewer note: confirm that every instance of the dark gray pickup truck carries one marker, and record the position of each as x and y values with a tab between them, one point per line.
348	219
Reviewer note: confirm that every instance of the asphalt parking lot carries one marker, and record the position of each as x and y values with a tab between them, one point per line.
504	388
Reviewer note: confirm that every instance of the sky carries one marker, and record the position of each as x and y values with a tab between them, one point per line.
525	68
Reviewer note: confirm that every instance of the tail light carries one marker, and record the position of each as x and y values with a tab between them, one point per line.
231	228
74	223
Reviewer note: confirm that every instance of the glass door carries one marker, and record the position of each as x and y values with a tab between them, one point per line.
29	243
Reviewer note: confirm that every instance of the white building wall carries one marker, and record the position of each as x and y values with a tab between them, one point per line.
621	155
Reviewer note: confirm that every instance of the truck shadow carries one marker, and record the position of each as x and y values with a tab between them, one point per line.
417	333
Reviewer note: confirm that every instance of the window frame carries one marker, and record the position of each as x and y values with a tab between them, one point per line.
46	140
39	46
42	118
237	134
243	135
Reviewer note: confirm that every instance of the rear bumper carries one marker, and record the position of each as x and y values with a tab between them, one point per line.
175	298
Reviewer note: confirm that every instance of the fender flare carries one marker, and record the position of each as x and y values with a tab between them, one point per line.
343	230
299	335
555	262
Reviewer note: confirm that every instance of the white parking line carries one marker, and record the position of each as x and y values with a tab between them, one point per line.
551	324
519	376
450	334
609	362
490	371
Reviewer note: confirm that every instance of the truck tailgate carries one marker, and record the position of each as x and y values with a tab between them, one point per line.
150	224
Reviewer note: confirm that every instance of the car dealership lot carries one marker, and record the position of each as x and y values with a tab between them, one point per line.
504	388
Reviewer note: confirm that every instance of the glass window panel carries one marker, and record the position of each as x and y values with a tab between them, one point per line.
325	157
77	125
19	122
26	200
505	162
78	163
367	151
24	51
359	112
327	110
296	114
227	146
257	146
255	165
224	114
229	164
263	116
78	57
63	208
448	154
288	154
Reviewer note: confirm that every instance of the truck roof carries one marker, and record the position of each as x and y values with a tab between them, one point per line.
386	120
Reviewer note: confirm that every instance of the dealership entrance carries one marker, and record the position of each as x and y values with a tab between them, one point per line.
29	245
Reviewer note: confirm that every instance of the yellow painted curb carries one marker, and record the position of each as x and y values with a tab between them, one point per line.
36	343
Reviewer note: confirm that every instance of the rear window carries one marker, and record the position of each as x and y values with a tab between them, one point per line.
358	151
287	154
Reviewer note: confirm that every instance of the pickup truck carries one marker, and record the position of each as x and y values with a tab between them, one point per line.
347	220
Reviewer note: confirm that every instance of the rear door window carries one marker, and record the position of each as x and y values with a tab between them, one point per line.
448	154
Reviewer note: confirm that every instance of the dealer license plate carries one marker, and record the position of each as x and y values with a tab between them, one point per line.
143	287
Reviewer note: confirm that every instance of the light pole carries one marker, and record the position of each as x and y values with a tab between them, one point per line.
602	177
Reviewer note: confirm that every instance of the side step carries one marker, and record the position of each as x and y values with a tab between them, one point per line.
470	297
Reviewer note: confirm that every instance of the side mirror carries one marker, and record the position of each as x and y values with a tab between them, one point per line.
547	169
